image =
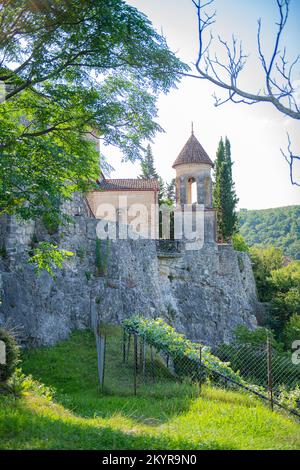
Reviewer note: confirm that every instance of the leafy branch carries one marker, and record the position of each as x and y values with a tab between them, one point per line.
47	257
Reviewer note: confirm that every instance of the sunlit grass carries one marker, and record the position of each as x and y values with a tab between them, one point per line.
164	415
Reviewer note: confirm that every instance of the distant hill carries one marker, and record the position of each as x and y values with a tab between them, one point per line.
279	227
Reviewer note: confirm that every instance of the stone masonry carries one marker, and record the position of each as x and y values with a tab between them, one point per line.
204	294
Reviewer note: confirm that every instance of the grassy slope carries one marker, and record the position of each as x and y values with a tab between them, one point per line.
163	416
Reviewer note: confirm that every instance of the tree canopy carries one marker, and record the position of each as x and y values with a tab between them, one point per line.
278	226
73	73
278	283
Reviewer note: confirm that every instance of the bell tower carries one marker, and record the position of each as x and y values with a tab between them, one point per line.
194	183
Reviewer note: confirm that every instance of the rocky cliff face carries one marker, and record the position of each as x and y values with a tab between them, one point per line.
204	293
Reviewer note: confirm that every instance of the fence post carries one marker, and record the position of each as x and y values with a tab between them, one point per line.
135	360
200	368
124	345
270	378
101	346
144	359
104	360
140	365
152	362
128	346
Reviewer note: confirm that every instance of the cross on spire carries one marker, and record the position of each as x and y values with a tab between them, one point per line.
192	128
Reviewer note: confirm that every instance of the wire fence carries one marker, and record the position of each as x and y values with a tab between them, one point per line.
264	366
268	372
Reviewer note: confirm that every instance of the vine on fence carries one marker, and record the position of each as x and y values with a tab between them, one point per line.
165	338
189	358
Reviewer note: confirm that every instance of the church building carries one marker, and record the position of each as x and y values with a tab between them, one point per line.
126	196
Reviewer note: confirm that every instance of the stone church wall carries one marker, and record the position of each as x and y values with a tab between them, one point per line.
204	293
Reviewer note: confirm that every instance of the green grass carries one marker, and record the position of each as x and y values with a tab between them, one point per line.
167	415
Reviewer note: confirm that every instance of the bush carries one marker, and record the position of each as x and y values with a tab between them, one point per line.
20	384
11	355
256	338
264	261
239	243
292	331
248	355
285	305
290	398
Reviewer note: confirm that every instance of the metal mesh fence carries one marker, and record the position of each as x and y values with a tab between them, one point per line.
262	365
140	368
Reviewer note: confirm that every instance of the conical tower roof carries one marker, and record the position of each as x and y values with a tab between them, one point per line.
192	152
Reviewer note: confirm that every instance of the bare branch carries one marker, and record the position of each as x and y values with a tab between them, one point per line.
291	159
226	75
279	86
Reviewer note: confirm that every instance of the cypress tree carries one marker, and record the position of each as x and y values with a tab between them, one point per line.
147	166
231	199
224	196
171	190
149	172
217	188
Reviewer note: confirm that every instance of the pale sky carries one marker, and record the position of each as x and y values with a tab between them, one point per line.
256	132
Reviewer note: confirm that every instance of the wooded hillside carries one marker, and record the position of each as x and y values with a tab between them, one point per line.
279	227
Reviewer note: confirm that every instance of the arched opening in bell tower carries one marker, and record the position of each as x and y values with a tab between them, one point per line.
192	191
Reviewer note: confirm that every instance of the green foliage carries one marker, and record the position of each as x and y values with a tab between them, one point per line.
80	252
147	166
48	256
264	261
290	398
256	338
149	172
286	277
66	89
171	191
285	303
102	256
247	353
279	227
164	337
3	251
224	196
279	285
12	353
51	221
239	243
20	385
291	331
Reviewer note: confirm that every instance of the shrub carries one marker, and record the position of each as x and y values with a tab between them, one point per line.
239	243
102	259
264	261
283	307
290	398
11	355
20	384
47	257
256	338
292	331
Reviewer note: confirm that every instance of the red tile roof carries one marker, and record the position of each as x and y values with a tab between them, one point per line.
192	152
128	184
